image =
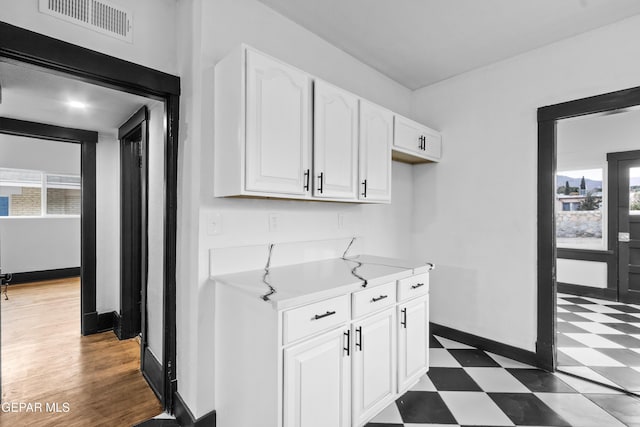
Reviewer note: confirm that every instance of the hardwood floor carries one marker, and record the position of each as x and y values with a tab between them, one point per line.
45	360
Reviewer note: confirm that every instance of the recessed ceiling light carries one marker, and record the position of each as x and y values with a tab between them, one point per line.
77	104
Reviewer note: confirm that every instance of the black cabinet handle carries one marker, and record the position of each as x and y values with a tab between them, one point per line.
403	322
364	183
420	142
417	285
327	314
306	180
359	338
321	178
381	297
347	335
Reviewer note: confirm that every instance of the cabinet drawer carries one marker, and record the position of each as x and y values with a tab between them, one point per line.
413	286
373	299
309	319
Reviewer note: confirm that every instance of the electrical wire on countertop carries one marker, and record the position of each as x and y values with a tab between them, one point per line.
353	270
265	277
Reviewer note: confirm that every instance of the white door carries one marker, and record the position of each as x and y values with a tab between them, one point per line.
413	342
317	382
374	365
376	133
278	114
335	142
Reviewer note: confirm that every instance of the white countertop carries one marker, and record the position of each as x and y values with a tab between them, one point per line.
314	281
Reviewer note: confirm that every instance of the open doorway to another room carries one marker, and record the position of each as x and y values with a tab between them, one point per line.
588	265
63	237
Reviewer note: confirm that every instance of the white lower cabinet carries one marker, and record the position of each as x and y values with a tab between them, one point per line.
317	382
374	365
334	362
413	344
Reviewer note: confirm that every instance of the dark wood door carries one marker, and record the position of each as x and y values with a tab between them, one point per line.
133	228
131	253
629	231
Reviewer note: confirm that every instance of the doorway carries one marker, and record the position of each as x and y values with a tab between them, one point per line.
594	322
54	56
624	170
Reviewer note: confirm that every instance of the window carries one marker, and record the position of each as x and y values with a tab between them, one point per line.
634	191
63	194
36	193
579	209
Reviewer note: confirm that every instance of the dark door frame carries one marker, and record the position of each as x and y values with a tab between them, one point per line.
89	317
615	162
134	202
32	49
547	251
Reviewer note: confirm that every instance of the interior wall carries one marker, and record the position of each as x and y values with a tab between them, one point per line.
107	224
584	273
39	243
155	275
478	207
217	28
583	142
154	31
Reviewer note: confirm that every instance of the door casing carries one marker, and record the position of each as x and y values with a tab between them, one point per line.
547	252
47	54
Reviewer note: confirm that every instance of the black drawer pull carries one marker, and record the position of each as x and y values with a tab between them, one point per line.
417	285
306	180
347	335
404	315
327	314
379	298
359	338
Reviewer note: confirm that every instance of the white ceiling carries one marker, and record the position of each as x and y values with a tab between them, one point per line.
420	42
33	95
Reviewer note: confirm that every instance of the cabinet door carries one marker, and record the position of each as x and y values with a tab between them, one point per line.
374	365
407	135
413	341
433	145
376	133
335	142
278	113
410	136
317	382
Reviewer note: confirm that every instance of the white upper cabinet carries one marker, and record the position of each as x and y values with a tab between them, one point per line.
376	136
415	143
278	113
335	142
280	132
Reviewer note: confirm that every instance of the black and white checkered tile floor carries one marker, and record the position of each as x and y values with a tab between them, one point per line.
600	340
469	387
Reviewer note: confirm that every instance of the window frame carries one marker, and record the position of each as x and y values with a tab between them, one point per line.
43	194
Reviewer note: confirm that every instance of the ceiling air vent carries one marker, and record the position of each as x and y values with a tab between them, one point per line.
100	16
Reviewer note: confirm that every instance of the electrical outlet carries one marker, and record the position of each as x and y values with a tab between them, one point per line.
274	222
214	224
